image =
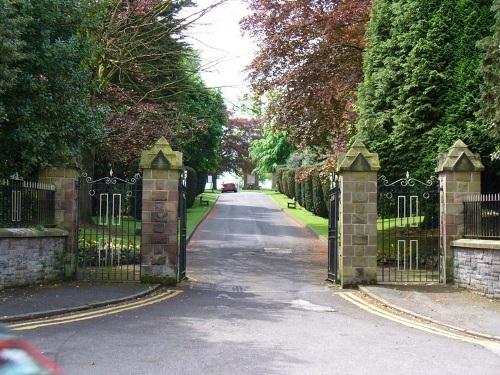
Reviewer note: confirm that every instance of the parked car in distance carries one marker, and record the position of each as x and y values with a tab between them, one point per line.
20	357
229	186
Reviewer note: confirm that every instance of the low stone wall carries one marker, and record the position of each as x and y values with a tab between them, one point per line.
29	256
477	265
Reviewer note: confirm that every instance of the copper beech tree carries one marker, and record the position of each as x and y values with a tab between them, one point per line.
309	64
238	135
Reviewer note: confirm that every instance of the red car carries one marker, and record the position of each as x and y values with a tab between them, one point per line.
229	186
19	357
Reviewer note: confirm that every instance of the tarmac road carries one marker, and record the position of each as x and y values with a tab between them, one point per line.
258	304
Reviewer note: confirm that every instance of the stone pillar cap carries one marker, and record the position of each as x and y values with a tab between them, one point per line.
459	159
358	159
161	156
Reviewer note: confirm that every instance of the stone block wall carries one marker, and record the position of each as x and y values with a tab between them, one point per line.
476	265
29	256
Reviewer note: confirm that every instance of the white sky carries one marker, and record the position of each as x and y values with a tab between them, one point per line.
224	51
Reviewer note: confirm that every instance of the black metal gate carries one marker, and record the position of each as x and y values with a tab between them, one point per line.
333	219
109	228
408	239
182	227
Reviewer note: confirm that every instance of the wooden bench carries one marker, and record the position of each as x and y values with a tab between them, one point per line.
292	204
203	202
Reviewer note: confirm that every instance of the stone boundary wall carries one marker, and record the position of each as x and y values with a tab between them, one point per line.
29	256
476	265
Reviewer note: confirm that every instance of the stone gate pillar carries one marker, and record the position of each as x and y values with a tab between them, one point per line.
357	171
161	171
65	179
459	176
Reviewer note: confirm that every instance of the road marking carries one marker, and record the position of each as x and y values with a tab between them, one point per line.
94	313
353	298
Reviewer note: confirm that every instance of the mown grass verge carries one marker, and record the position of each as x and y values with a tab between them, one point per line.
196	213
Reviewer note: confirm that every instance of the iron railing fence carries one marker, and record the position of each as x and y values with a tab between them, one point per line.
26	203
482	216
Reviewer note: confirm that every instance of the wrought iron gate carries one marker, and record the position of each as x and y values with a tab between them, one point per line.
109	228
182	227
408	239
333	219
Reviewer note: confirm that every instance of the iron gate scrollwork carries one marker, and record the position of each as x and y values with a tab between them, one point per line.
408	238
182	227
333	219
109	228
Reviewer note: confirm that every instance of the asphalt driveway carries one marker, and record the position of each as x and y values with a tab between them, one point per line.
257	304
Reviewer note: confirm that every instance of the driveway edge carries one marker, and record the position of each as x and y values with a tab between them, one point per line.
202	220
302	224
383	301
49	313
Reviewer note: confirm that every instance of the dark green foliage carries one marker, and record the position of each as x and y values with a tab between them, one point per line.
11	47
46	116
202	181
298	192
320	208
490	99
421	81
191	186
303	193
279	179
325	186
308	194
290	183
490	69
284	181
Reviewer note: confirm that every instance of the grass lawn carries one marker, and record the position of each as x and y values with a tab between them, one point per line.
196	213
316	223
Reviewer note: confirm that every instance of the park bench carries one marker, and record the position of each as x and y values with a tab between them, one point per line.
203	202
292	204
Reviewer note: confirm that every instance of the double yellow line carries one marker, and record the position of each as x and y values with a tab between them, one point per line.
356	299
94	313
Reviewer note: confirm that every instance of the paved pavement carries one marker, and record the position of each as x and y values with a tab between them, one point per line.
259	306
42	299
445	303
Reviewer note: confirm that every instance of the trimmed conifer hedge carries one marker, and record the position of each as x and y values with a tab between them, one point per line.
191	186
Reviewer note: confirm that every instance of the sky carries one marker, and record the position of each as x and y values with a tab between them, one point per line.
224	51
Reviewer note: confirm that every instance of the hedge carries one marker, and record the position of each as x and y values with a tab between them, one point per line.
308	195
191	186
325	184
291	183
319	207
298	192
279	182
201	182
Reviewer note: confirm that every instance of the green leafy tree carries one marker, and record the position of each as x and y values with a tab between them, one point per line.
11	49
47	115
270	151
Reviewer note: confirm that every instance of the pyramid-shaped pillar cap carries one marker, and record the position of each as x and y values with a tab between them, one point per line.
161	156
358	159
459	158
